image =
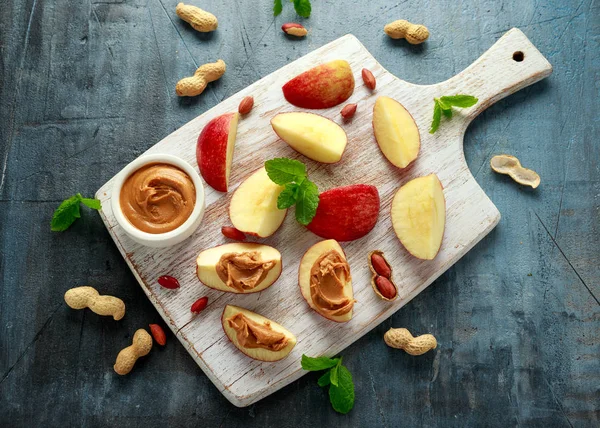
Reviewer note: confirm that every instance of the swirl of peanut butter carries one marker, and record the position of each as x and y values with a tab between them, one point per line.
243	271
157	198
328	277
251	334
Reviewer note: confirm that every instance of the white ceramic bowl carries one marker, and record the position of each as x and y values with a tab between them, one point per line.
175	236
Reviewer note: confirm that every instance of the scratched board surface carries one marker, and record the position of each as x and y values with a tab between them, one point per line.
470	215
88	86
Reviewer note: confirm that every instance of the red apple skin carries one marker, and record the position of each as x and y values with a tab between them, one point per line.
323	86
211	151
346	213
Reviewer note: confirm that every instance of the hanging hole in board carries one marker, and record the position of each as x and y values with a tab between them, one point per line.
518	56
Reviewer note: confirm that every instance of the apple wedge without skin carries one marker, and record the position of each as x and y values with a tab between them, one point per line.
396	132
214	150
323	86
207	261
306	264
419	216
260	354
253	207
312	135
346	213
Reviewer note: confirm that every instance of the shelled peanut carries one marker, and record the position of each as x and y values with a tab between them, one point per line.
348	111
294	29
382	281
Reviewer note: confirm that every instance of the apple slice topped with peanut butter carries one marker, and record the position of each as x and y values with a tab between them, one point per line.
256	336
325	281
239	267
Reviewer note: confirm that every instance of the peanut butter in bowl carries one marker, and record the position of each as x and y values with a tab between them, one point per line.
157	198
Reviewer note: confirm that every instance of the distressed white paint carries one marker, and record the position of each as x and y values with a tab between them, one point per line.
470	214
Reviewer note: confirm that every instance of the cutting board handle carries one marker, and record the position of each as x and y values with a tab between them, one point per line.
511	64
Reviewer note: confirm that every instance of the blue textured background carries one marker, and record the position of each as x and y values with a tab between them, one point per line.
88	86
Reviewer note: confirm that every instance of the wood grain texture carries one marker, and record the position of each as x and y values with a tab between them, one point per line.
85	87
470	215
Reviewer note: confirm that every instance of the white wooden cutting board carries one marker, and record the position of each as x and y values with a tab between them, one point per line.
470	214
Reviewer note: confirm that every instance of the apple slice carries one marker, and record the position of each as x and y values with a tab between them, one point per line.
251	324
214	150
253	208
419	216
262	264
323	86
333	298
396	132
346	213
315	136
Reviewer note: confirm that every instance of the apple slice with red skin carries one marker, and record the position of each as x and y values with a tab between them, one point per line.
207	260
346	213
306	264
214	150
260	354
323	86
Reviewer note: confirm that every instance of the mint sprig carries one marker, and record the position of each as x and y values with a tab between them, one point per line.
339	379
302	7
443	105
298	189
68	211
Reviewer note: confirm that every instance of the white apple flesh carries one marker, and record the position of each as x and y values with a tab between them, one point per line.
396	132
260	354
253	207
312	135
306	264
419	216
207	261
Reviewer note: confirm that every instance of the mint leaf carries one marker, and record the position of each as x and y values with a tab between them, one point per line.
437	117
324	380
299	190
303	8
91	203
442	104
461	101
68	211
277	7
287	197
319	363
283	170
342	395
307	202
333	373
